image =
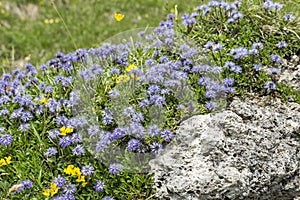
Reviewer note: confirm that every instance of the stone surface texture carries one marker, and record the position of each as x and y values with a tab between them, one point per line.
248	151
291	72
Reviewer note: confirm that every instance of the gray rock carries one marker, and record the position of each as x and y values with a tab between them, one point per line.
291	72
248	151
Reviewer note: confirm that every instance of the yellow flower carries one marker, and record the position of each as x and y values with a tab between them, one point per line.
5	161
64	130
53	186
8	160
84	184
122	78
80	179
135	77
44	100
46	192
119	16
0	3
53	189
130	67
76	172
46	21
2	162
69	169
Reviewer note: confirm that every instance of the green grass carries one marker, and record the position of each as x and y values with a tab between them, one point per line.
89	22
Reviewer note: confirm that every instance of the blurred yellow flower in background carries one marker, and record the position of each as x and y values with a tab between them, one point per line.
119	16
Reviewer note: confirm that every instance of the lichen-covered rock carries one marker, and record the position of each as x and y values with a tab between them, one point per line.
248	151
291	72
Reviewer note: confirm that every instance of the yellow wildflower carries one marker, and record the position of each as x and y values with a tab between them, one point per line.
2	162
65	130
53	189
76	172
69	169
46	21
119	16
0	3
122	78
8	160
84	184
46	192
44	100
80	179
130	67
5	161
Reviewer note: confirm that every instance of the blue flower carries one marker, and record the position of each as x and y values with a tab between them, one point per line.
253	52
27	184
115	168
209	44
87	170
51	152
230	20
107	117
48	89
117	134
114	71
24	184
257	67
276	58
153	131
144	103
217	47
281	44
78	150
270	85
54	133
237	16
99	186
274	71
289	17
188	20
210	105
133	144
69	189
239	53
257	45
210	94
6	139
108	198
156	147
228	81
236	69
269	5
2	129
167	135
203	81
93	130
101	144
59	181
157	100
65	141
153	89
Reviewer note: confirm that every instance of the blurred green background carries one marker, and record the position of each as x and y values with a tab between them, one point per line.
32	31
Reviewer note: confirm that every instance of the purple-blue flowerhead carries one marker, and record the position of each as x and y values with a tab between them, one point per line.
115	168
6	139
